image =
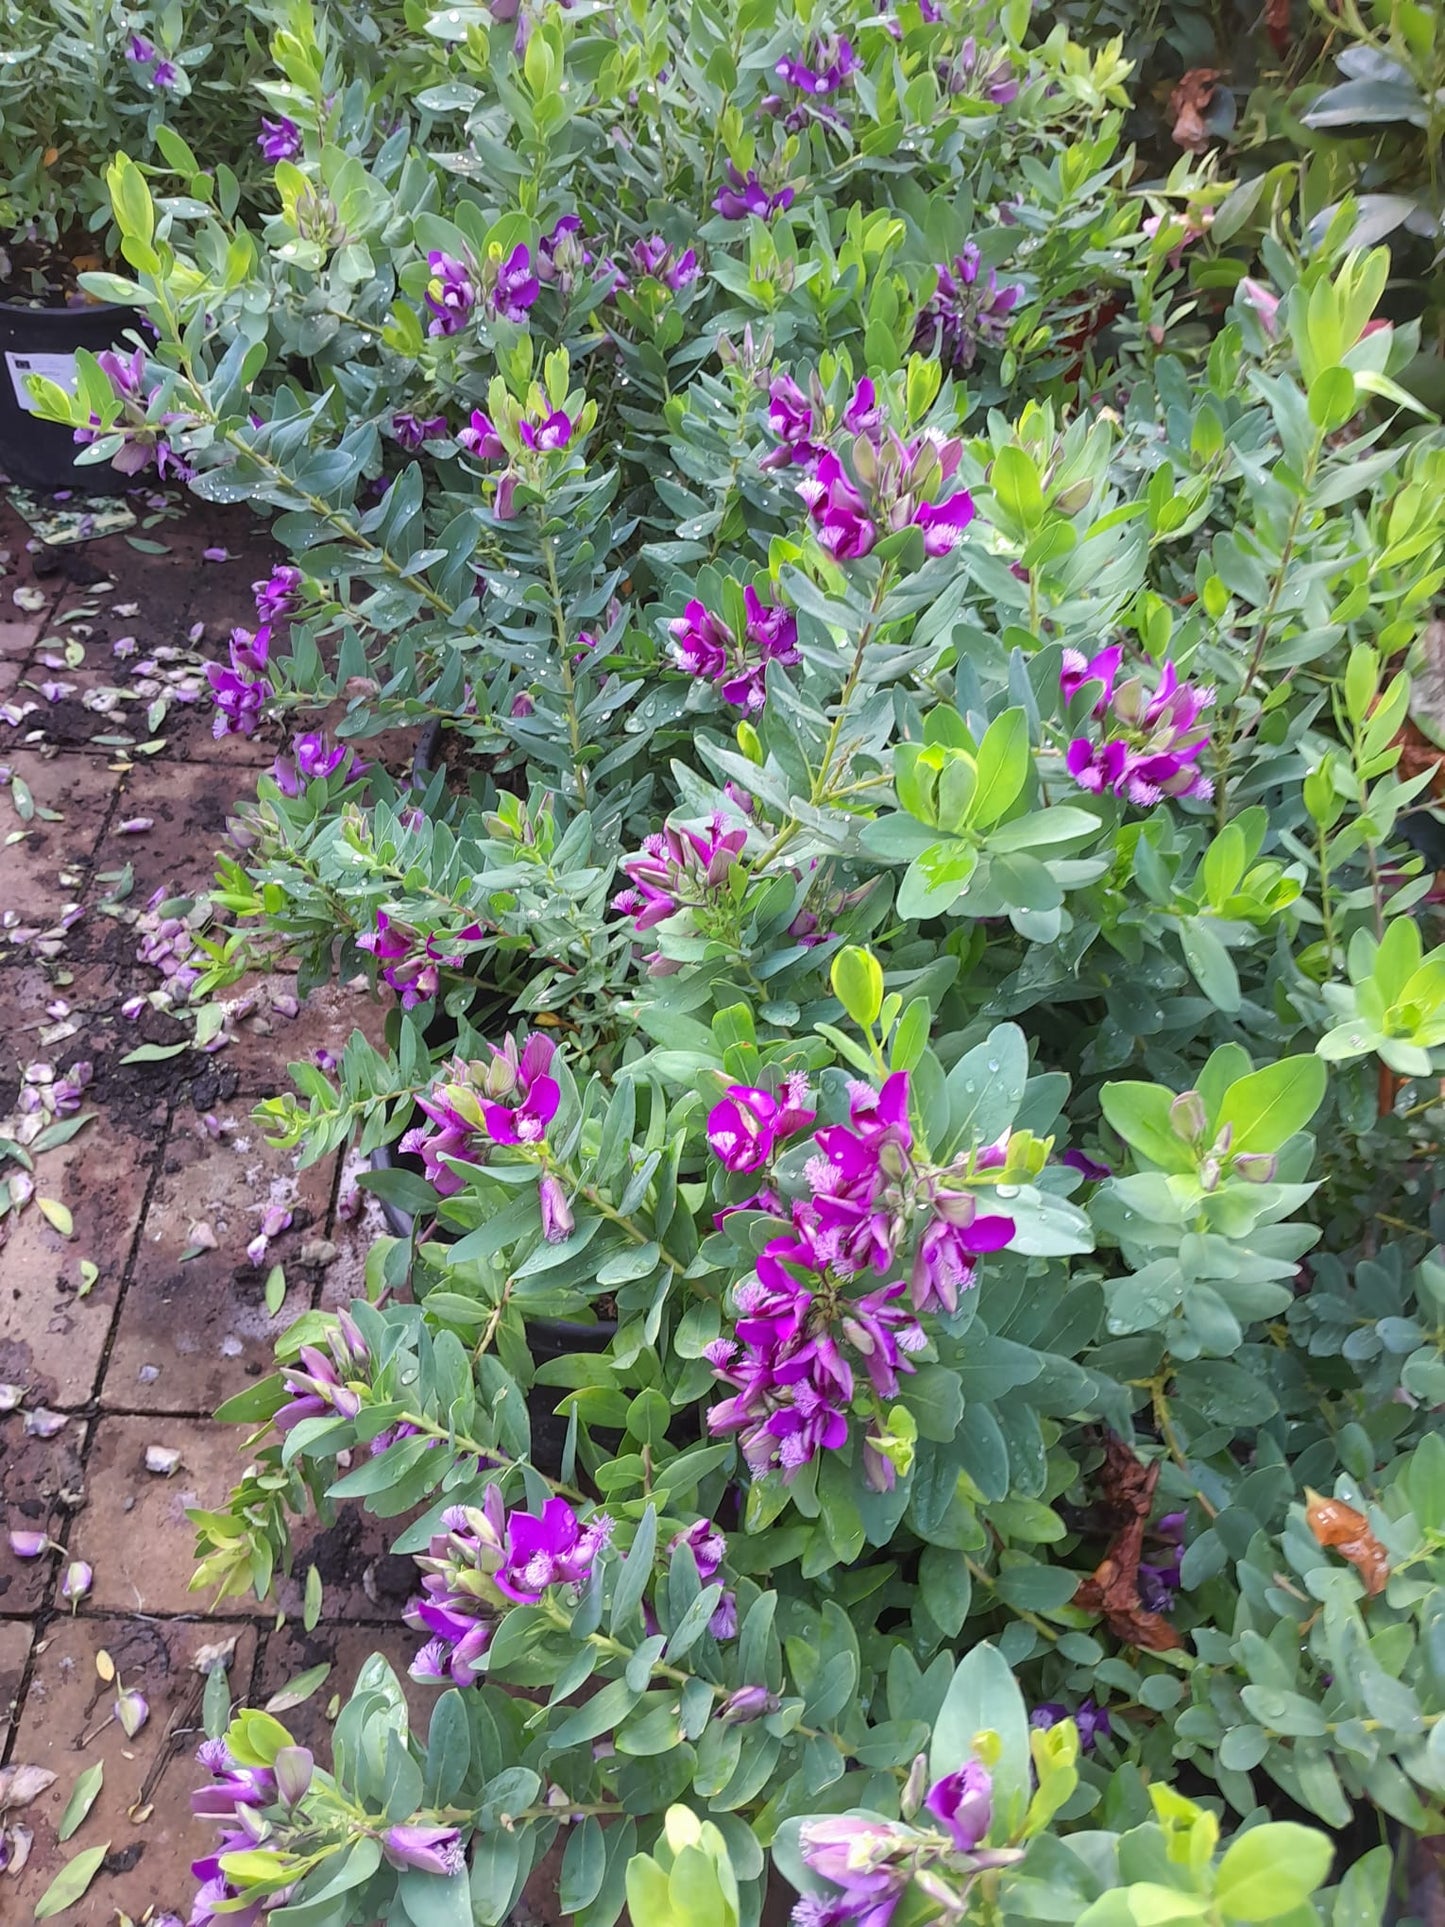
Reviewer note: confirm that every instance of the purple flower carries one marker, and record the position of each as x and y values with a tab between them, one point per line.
981	75
1091	1719
871	1860
436	1850
451	294
943	1265
1090	1168
963	1802
512	285
240	691
561	255
790	417
555	431
163	74
29	1545
278	594
706	648
747	1704
410	966
1150	744
745	195
481	439
862	414
312	759
279	140
834	60
700	642
534	1094
744	1128
411	431
839	512
709	1547
140	50
657	260
966	307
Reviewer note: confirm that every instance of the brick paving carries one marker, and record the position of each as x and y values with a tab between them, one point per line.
142	1353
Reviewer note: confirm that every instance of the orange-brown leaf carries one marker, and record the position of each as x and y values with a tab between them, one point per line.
1276	25
1188	105
1341	1529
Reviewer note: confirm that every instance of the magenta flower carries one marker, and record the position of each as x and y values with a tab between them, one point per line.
868	1859
745	194
790	417
552	1550
554	432
481	439
943	523
963	1803
744	1128
279	140
862	415
240	691
709	1547
533	1094
163	74
943	1265
411	966
451	294
967	307
839	513
677	869
433	1849
312	759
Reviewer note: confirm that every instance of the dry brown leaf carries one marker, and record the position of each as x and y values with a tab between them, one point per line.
1349	1533
1188	105
1276	25
1126	1487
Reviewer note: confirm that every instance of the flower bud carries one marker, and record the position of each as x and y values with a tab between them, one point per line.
77	1582
293	1767
914	1787
132	1710
1188	1118
747	1703
1256	1167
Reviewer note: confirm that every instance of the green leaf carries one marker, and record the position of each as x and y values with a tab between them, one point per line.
1268	1106
297	1691
605	1710
70	1883
275	1289
58	1215
1015	481
1003	768
81	1800
1211	964
155	1053
1271	1870
1140	1114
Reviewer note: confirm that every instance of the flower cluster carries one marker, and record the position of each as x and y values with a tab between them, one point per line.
870	1196
678	869
1151	744
708	1545
143	441
506	288
485	1559
976	72
562	255
830	63
873	485
278	595
745	194
705	647
655	259
410	964
873	1862
412	430
967	306
322	1386
510	1100
240	688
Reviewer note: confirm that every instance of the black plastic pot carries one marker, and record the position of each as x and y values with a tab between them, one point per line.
43	341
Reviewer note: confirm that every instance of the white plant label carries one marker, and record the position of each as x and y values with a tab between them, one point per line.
60	369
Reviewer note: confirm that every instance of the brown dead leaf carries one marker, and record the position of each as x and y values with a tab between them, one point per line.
1343	1530
1276	25
1188	105
1126	1487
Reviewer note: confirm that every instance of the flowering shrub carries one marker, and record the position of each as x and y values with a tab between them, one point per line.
923	972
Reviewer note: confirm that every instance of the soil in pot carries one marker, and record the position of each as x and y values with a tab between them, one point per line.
44	319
